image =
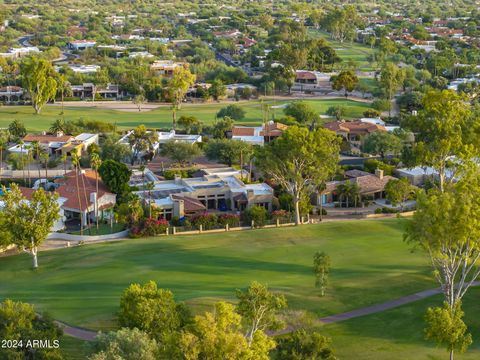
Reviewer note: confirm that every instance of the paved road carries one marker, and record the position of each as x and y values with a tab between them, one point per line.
89	335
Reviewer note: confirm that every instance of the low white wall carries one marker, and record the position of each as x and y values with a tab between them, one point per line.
86	238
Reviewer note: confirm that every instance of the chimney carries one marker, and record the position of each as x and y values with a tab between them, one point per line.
379	173
178	179
59	133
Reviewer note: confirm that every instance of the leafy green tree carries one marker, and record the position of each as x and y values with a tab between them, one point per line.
39	79
443	129
303	112
178	86
190	123
138	101
141	140
442	226
257	214
299	159
217	90
180	153
349	192
29	222
228	151
234	112
149	309
125	344
218	335
391	80
17	130
382	142
337	111
221	127
321	269
398	191
302	345
115	176
346	80
371	113
111	149
4	135
259	309
445	326
19	321
57	126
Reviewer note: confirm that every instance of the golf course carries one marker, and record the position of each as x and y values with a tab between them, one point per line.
161	116
371	264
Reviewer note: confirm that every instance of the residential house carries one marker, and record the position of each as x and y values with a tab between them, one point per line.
166	67
81	44
162	138
11	94
19	52
87	91
312	78
56	144
258	135
370	186
354	131
81	210
220	189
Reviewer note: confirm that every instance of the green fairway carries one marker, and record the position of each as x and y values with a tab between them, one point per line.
397	334
160	117
82	285
348	50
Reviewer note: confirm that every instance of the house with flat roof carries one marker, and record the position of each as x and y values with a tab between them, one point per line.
56	144
81	44
219	189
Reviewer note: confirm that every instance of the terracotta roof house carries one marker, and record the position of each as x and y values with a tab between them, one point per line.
370	185
258	135
80	209
354	131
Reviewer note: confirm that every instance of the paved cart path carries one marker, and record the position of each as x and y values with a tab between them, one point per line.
88	335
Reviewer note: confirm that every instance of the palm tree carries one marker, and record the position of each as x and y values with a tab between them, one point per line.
22	144
29	149
95	161
3	146
355	193
44	157
142	169
76	166
341	191
63	159
57	126
37	150
150	186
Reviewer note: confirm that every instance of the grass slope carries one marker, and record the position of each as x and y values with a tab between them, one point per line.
82	285
160	117
397	334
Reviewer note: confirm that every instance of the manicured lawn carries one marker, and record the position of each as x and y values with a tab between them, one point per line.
160	117
74	349
348	50
397	334
82	285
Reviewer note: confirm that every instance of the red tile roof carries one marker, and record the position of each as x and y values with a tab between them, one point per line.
353	127
45	139
243	131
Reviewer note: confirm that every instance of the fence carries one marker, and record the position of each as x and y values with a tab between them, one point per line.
271	223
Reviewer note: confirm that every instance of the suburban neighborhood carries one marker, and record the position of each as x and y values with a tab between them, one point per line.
253	180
